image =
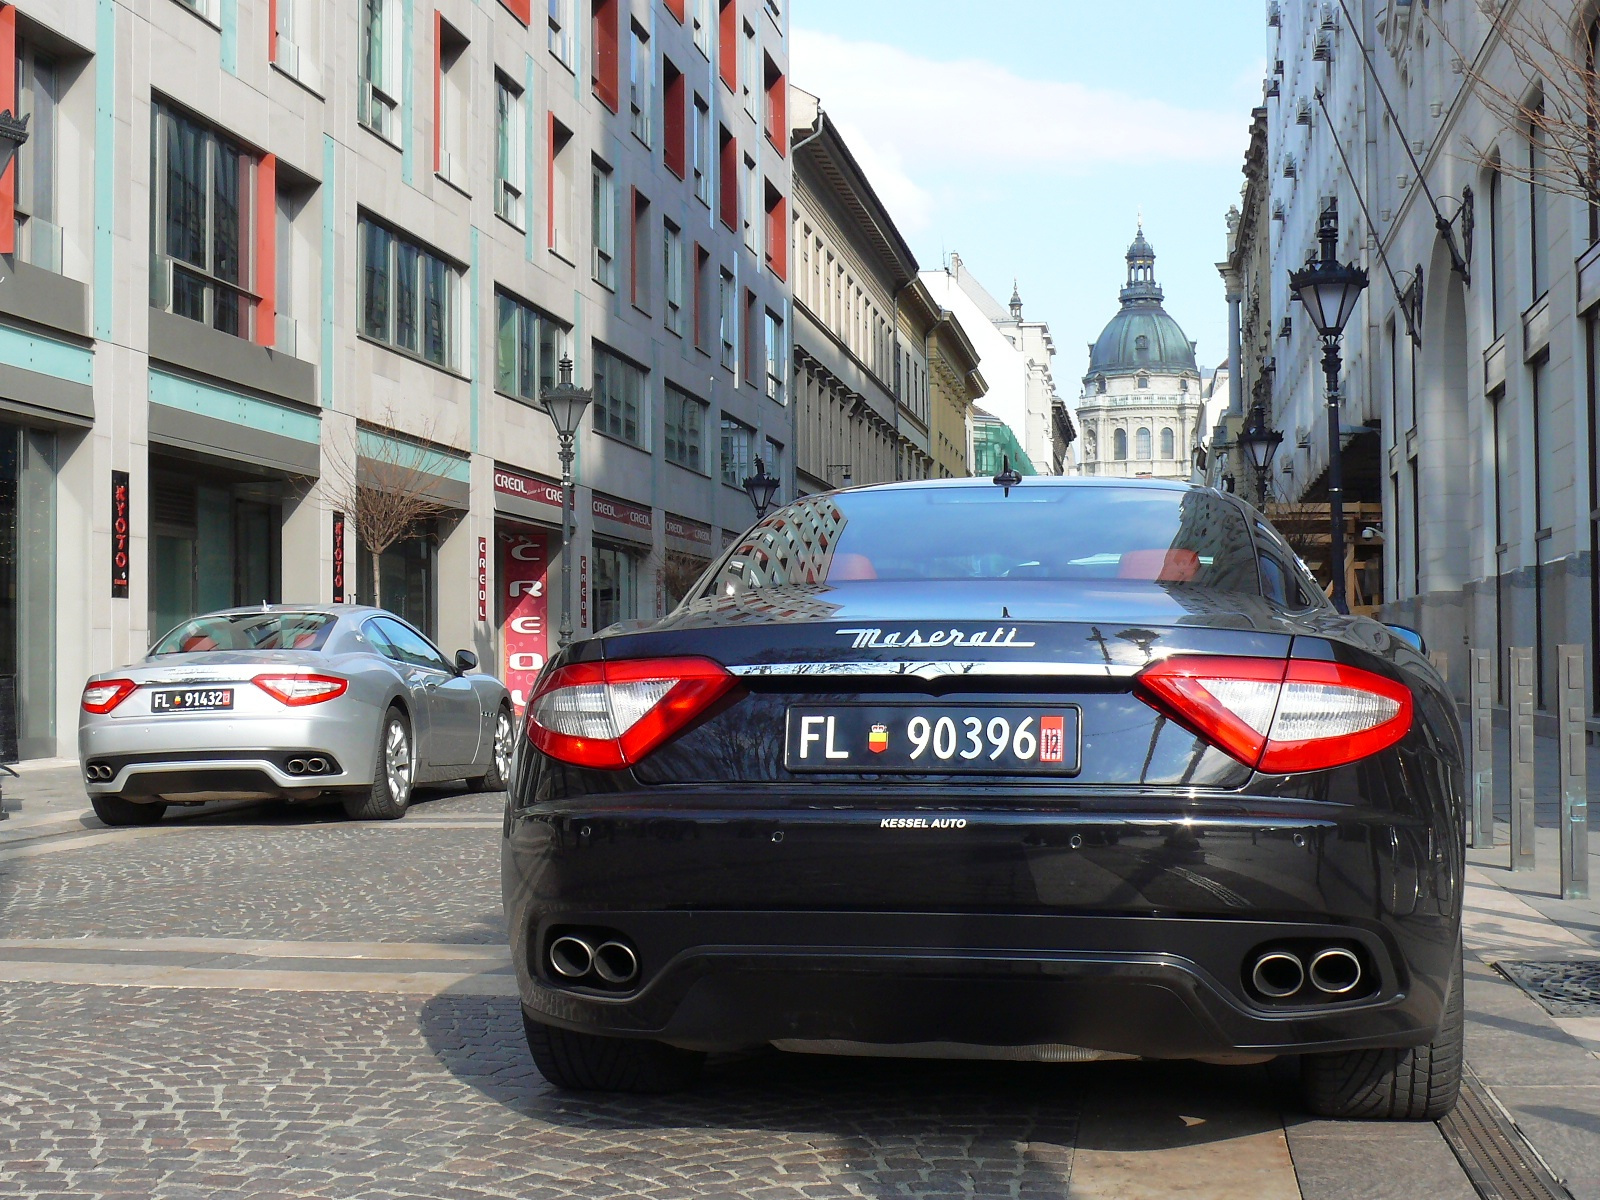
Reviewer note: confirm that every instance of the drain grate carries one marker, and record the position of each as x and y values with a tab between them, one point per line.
1499	1163
1566	989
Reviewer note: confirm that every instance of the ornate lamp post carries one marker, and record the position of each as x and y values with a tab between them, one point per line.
1261	443
566	402
1329	290
12	134
761	488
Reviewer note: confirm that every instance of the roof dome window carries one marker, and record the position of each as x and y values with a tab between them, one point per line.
1100	385
1144	381
1141	347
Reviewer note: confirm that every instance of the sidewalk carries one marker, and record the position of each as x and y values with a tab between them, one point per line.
46	798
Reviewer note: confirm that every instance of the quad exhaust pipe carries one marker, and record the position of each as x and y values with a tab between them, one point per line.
613	962
1279	973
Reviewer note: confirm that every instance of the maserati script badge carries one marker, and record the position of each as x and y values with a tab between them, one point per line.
874	639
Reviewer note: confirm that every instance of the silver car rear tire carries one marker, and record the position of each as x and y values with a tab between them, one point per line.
114	810
393	772
502	746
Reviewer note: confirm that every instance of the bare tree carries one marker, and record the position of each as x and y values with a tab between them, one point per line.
386	487
1556	100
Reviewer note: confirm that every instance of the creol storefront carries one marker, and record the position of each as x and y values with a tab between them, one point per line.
527	531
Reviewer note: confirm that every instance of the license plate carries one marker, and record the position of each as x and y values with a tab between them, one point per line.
191	700
906	739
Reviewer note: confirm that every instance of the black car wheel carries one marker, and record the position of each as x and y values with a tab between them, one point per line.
392	774
1417	1084
114	810
588	1062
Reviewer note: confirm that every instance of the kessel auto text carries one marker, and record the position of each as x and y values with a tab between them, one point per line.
1047	770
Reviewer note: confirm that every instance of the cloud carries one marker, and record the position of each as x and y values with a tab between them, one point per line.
913	115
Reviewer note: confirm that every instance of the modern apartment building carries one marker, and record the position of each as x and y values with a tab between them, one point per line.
271	256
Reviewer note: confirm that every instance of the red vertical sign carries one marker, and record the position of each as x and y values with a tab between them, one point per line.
121	529
483	579
338	558
523	577
583	593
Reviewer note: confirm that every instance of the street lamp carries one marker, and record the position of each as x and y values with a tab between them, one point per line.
566	402
1260	442
1329	290
761	488
12	134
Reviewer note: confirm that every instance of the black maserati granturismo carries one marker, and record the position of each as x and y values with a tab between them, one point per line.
1050	770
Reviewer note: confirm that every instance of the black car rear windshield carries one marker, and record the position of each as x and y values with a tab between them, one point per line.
248	631
1039	531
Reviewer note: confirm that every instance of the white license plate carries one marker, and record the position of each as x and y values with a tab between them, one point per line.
191	700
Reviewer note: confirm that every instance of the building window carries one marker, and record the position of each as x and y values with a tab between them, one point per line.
1119	444
407	295
750	203
753	348
640	259
728	178
1538	206
1144	381
510	166
750	71
641	83
738	451
672	275
378	67
560	30
774	465
616	583
1141	439
674	119
686	429
1168	444
1497	302
201	224
528	346
561	204
206	8
38	96
777	358
775	113
728	320
777	208
294	41
451	87
620	397
603	224
702	298
702	151
702	27
1100	385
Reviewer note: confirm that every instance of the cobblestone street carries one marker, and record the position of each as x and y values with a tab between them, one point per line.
267	1002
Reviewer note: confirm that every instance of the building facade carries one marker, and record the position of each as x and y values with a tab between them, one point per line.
1016	356
956	384
271	255
1141	406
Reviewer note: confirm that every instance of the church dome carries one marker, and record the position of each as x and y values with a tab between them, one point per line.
1141	337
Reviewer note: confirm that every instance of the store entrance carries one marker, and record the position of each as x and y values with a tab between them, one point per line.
215	542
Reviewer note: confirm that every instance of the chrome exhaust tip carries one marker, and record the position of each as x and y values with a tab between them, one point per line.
1277	974
296	766
615	962
1335	971
571	957
316	766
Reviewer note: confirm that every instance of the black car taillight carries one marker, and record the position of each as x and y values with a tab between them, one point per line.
1280	716
610	715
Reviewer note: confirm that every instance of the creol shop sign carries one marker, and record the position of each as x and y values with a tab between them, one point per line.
609	508
687	530
529	487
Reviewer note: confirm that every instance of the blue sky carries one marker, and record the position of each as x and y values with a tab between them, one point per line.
1029	140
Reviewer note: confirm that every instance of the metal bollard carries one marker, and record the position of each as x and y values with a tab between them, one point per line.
1522	782
1482	735
1574	773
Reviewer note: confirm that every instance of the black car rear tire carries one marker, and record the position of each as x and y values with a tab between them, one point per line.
1416	1084
114	810
384	800
589	1062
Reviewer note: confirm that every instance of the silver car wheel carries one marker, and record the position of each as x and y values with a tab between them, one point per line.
504	737
397	760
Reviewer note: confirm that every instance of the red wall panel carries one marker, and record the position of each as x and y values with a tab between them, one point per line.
607	33
8	100
728	44
266	270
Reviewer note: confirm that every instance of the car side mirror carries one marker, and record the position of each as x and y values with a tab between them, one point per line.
466	661
1409	636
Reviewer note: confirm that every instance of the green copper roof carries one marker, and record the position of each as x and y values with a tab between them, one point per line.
1141	337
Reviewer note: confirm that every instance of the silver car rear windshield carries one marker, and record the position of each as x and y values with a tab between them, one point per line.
248	631
1038	532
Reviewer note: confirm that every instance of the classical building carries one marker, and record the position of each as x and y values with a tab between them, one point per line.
958	383
265	250
1141	404
1015	355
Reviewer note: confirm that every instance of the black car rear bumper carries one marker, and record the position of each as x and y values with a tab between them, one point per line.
1131	935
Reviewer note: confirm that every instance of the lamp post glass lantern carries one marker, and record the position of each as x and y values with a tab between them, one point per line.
565	403
1261	443
761	488
1329	290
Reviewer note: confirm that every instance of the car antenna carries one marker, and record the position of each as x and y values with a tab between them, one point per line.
1008	477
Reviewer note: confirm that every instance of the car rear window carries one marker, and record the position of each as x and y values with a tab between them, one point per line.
1038	531
248	631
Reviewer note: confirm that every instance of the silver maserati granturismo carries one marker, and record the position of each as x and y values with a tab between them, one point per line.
290	702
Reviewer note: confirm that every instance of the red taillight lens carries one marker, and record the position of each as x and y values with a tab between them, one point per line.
299	690
611	715
1280	716
100	698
